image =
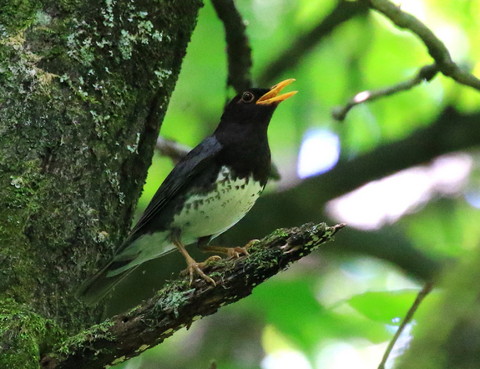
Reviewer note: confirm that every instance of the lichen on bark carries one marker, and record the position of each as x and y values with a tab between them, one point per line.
84	86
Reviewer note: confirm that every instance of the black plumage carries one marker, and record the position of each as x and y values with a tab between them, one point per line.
206	193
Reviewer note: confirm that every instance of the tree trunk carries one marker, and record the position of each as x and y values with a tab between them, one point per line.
83	89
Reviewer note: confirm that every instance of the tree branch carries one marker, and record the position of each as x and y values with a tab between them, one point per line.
344	11
451	131
178	305
426	73
171	149
436	48
238	48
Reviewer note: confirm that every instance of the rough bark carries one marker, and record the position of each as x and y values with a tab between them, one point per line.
178	304
83	89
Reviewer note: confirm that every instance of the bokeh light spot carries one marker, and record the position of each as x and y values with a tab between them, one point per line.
319	152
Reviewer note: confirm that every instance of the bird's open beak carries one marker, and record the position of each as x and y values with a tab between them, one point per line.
273	96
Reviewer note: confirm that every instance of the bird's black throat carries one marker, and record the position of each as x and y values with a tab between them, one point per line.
242	132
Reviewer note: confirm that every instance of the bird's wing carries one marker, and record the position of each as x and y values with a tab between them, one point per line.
187	169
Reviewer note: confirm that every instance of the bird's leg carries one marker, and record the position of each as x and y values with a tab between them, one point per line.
192	266
231	252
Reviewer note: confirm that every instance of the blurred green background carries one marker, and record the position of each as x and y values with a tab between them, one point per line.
333	309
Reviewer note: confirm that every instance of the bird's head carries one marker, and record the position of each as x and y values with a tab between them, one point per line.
255	106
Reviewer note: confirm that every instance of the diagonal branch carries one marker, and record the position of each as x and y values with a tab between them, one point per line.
238	48
178	305
426	73
344	11
436	48
171	149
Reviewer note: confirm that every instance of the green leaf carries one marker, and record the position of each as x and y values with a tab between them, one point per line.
291	307
388	307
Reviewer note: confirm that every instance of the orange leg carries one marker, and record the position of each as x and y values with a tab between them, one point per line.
231	252
192	266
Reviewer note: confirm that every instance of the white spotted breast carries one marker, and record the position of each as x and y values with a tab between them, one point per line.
213	212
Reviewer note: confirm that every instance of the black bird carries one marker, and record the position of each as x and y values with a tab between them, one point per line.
206	193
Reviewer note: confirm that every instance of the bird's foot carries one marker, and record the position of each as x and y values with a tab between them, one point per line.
232	252
194	268
236	252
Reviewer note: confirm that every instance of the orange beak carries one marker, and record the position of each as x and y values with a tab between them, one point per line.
273	96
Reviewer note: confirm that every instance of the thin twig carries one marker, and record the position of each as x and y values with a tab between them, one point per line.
179	304
436	48
172	149
303	44
420	297
426	73
238	47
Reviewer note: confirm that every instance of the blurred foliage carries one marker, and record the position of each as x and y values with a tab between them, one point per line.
379	306
323	301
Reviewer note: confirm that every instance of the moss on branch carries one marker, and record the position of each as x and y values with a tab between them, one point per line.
178	304
24	335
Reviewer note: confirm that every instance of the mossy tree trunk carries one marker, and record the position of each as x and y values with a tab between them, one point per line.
83	89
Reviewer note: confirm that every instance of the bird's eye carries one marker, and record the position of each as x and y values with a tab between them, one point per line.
247	97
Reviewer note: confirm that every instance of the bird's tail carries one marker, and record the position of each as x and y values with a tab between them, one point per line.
127	259
97	287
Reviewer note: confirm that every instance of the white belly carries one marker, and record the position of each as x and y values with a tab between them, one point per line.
214	212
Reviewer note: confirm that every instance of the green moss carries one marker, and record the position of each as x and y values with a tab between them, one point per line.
25	184
25	336
17	192
79	117
80	340
17	15
264	258
281	232
318	234
173	296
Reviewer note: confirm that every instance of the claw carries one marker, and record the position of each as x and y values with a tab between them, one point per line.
232	252
192	266
211	259
236	252
251	243
196	268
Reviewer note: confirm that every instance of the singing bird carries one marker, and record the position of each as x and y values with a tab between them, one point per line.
206	193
